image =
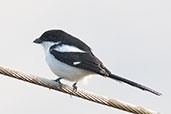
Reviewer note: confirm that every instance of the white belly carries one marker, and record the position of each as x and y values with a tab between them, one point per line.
65	71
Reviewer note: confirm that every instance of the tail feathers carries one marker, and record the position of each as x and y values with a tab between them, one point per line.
134	84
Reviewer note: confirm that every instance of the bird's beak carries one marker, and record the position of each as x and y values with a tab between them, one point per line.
38	41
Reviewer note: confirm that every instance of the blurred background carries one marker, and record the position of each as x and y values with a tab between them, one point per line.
131	37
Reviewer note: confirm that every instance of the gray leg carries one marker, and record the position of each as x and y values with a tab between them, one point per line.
74	87
58	80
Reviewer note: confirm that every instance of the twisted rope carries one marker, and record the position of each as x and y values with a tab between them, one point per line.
79	93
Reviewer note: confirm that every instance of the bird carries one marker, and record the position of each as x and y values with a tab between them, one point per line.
71	59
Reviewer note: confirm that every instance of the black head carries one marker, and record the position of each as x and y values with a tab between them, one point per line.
63	37
52	36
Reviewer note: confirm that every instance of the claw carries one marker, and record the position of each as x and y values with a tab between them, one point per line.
74	87
58	80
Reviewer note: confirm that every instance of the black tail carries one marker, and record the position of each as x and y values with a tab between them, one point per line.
134	84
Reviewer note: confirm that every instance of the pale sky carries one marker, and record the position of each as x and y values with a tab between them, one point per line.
132	38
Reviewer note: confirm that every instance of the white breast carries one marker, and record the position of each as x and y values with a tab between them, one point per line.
63	70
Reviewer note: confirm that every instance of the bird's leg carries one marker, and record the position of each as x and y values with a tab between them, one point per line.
74	87
58	80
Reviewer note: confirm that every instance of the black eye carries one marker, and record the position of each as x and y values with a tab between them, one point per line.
46	36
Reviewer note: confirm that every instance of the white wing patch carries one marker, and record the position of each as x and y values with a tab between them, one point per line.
47	45
76	63
68	48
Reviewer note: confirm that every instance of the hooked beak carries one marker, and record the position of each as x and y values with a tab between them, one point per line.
38	41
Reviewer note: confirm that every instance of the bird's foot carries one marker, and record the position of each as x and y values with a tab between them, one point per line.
58	80
74	87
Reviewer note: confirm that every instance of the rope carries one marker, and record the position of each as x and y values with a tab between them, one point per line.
79	93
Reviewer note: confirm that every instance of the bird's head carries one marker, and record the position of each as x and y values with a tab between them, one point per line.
51	37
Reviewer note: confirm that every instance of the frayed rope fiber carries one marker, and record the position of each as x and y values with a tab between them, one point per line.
79	93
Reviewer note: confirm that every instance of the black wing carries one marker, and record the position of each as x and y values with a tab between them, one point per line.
87	61
91	63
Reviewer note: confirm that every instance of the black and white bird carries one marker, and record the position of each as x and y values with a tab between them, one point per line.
71	59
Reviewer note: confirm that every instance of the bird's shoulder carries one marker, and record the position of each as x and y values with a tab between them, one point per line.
73	41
